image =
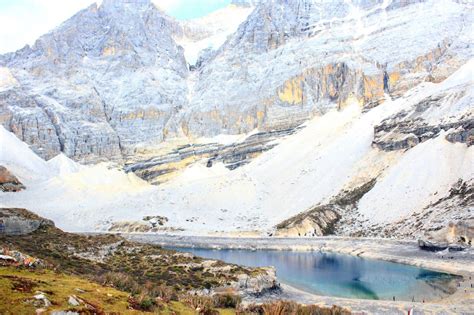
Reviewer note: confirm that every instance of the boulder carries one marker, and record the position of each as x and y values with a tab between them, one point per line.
317	221
42	297
432	246
455	237
257	285
20	222
73	301
8	182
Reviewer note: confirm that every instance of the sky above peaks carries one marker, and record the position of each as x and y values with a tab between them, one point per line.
23	21
190	9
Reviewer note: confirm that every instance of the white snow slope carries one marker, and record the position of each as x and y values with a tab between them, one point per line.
211	31
333	152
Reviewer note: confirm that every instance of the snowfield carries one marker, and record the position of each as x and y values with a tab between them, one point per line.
213	30
333	152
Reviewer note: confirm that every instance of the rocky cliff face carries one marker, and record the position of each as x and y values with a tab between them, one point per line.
325	219
291	60
112	79
17	222
83	87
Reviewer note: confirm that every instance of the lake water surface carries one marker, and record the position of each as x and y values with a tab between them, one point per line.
340	275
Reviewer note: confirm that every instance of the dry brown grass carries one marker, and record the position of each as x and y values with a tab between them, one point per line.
202	304
291	308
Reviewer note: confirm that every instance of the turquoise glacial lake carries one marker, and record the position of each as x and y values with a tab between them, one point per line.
340	275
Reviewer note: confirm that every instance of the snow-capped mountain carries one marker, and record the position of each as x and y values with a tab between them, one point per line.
113	78
82	87
297	117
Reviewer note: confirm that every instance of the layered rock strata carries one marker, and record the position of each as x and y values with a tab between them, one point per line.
160	168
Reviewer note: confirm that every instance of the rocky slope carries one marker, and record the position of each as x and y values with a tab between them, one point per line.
85	85
96	257
333	163
303	58
279	128
112	79
46	270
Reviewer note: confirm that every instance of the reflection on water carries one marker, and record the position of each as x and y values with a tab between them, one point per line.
339	275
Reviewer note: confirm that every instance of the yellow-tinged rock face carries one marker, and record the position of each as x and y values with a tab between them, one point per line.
331	81
393	78
7	80
409	73
109	51
250	120
260	117
165	133
292	91
49	52
373	87
142	114
185	128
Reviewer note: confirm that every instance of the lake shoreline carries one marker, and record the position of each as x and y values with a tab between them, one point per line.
397	251
450	305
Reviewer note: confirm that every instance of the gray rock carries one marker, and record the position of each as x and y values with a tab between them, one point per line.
100	74
14	222
8	182
42	297
73	301
111	80
325	219
410	127
248	285
233	155
432	246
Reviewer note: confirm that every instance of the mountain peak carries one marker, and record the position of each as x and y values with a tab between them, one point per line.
127	3
245	3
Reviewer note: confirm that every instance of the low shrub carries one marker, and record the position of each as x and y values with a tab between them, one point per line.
291	308
160	291
147	304
226	300
279	308
121	281
202	304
